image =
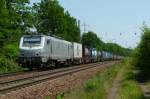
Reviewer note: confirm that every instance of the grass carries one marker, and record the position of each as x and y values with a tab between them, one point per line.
129	88
98	86
8	65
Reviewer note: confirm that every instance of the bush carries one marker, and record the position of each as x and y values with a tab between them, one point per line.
8	65
11	51
91	85
8	58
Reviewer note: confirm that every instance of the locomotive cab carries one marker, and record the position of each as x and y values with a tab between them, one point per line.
31	42
31	50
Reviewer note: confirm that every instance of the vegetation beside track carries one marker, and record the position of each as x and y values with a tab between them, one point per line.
8	66
97	87
129	87
141	55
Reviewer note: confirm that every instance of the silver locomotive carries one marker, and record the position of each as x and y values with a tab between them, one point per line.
42	50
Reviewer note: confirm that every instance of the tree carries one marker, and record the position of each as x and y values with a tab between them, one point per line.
52	19
143	53
4	22
72	30
13	13
92	40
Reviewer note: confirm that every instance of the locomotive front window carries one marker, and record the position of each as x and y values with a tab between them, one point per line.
32	41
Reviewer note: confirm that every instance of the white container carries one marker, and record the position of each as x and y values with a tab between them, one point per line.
77	50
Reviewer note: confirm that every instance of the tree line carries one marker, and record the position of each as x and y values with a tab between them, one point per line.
49	17
91	39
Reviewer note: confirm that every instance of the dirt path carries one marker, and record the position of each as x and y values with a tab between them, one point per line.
146	91
115	86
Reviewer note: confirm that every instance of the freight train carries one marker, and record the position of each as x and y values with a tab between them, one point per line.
39	51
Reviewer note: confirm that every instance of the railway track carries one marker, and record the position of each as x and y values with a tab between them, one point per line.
10	85
14	76
13	73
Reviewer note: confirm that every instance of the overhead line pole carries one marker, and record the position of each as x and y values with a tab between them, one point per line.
84	26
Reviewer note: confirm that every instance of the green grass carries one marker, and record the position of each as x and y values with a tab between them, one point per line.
8	65
98	86
129	88
47	97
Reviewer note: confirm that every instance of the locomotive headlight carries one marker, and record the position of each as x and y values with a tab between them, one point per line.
38	54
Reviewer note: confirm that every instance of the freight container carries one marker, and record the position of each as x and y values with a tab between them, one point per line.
77	52
87	54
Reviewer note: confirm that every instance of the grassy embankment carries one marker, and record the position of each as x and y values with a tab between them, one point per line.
98	86
129	87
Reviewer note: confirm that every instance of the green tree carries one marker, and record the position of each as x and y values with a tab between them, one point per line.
72	30
52	19
4	22
143	52
14	16
92	40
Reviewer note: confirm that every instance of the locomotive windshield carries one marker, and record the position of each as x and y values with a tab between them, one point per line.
32	41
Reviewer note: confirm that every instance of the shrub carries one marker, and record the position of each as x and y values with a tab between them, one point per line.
91	85
8	65
11	51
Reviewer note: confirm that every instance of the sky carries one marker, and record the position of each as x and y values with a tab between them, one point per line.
110	18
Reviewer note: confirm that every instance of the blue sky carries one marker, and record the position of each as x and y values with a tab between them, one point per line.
109	18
